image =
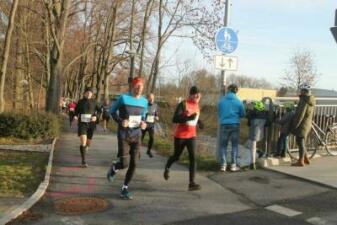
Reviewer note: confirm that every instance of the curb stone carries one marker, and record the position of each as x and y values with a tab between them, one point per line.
9	216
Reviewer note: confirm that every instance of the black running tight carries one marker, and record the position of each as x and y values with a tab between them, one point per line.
179	145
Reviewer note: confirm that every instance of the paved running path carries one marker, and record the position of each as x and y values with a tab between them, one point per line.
156	201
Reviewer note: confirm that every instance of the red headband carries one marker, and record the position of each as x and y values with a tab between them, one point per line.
137	80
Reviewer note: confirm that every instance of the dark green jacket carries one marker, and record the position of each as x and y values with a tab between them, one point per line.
302	120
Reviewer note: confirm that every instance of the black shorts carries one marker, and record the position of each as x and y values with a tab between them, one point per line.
86	129
127	146
106	117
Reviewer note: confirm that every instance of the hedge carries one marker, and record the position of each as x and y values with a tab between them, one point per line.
29	126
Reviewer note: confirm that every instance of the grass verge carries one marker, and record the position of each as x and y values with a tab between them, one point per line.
21	172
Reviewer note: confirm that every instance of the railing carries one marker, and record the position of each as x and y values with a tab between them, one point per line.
324	107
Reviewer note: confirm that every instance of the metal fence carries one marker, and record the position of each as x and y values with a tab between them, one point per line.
324	108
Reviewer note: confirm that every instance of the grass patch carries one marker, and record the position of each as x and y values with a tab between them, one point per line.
19	141
21	172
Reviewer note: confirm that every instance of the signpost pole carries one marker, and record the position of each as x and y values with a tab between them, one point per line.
223	85
223	72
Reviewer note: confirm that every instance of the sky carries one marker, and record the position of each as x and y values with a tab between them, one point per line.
269	33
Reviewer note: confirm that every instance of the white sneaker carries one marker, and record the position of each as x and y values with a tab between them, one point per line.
223	168
234	168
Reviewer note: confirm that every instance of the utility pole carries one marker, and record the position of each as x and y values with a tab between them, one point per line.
223	72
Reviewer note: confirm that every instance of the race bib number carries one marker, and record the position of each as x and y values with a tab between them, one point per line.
86	118
150	119
193	122
134	121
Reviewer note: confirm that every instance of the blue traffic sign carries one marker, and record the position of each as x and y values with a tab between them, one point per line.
226	40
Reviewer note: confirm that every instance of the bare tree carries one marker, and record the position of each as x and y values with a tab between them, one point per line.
58	12
205	20
5	54
248	81
301	69
171	17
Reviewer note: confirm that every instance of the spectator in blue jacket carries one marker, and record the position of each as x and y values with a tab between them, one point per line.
230	111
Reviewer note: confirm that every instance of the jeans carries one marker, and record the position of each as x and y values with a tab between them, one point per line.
282	145
229	132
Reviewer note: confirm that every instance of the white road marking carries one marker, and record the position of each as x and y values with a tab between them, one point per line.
317	221
72	221
283	210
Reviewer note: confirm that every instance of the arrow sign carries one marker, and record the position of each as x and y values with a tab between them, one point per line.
222	62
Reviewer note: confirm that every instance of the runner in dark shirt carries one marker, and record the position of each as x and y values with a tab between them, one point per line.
86	112
151	118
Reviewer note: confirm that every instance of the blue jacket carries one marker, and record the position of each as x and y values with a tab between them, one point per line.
125	107
230	109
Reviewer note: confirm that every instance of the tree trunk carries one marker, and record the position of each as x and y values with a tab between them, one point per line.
19	77
6	53
111	39
147	14
159	45
27	58
58	18
53	91
132	54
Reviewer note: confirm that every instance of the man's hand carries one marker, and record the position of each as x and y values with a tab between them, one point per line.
93	118
125	123
157	118
75	118
143	125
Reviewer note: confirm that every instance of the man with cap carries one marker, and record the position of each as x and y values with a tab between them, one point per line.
129	113
151	118
302	121
230	111
186	118
86	112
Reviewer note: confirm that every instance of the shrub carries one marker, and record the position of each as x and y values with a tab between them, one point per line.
29	126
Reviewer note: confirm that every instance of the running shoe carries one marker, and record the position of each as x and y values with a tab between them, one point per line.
194	187
234	168
111	173
125	194
149	153
166	174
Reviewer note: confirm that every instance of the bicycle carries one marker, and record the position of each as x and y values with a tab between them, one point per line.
319	138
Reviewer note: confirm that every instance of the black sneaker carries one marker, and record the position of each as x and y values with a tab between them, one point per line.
194	187
111	173
149	153
166	174
125	194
